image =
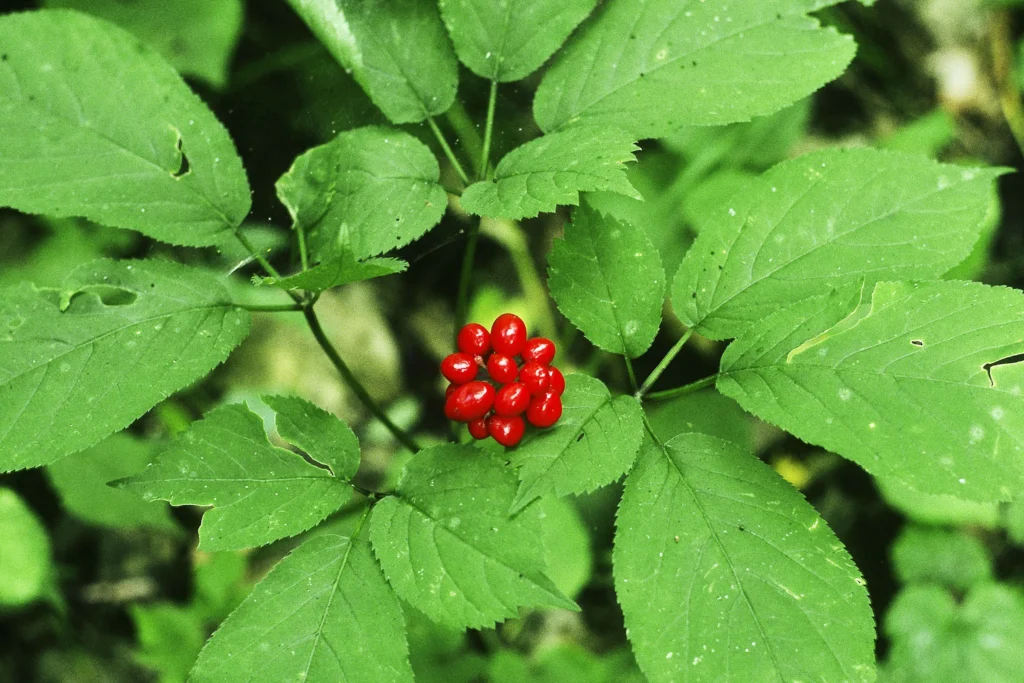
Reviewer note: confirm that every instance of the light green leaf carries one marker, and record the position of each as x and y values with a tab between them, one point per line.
824	220
25	562
652	66
606	277
398	52
943	556
567	550
725	572
260	493
370	190
920	384
324	613
337	267
197	37
169	637
448	546
928	508
321	435
1015	521
552	170
98	125
934	640
593	444
707	412
82	480
508	41
120	336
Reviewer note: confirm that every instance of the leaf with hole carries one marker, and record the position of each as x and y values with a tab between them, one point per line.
337	267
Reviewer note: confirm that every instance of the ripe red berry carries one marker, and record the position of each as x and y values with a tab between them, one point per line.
469	402
478	428
459	368
449	389
539	350
544	410
502	368
556	383
508	334
535	377
512	399
474	339
506	430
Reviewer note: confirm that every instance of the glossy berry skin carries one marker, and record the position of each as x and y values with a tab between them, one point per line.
512	399
544	410
556	381
508	334
459	368
469	402
449	389
474	339
502	368
535	377
506	430
478	428
539	350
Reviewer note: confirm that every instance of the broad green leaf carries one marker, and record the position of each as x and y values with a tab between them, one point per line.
82	362
928	135
606	277
702	202
707	412
321	435
942	556
824	220
562	663
260	493
567	551
439	654
25	562
169	637
368	190
934	640
96	124
337	267
219	584
552	170
398	52
725	572
448	546
652	66
593	444
324	613
921	383
508	41
1015	521
82	480
928	508
197	37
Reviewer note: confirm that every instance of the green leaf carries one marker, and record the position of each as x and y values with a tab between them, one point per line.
567	550
337	267
324	613
25	562
398	52
96	124
120	336
552	170
921	384
508	41
824	220
196	37
82	480
169	638
942	556
368	190
725	572
593	444
260	493
606	277
448	546
934	640
929	508
652	66
707	412
321	435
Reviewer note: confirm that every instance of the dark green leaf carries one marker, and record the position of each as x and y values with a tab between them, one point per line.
320	434
338	266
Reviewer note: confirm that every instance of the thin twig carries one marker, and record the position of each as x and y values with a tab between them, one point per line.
448	150
468	256
485	154
683	390
669	357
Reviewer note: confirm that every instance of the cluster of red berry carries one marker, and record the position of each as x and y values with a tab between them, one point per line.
496	409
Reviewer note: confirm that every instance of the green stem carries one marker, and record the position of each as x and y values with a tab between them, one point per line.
1003	72
264	263
448	150
462	302
469	136
632	375
279	308
650	430
669	357
350	379
485	160
683	390
300	233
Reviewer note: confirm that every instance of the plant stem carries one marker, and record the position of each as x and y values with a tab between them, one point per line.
669	357
1003	71
357	388
485	154
300	233
448	150
650	430
632	375
468	256
279	308
469	136
264	263
683	390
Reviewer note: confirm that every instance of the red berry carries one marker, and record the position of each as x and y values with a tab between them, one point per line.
556	383
506	430
478	428
459	368
469	402
508	334
448	391
502	368
544	410
539	350
535	377
512	399
474	339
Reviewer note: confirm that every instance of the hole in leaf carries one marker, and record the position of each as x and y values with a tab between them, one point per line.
1009	360
102	295
185	168
917	342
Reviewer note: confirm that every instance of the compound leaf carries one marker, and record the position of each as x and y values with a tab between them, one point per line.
725	572
321	435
